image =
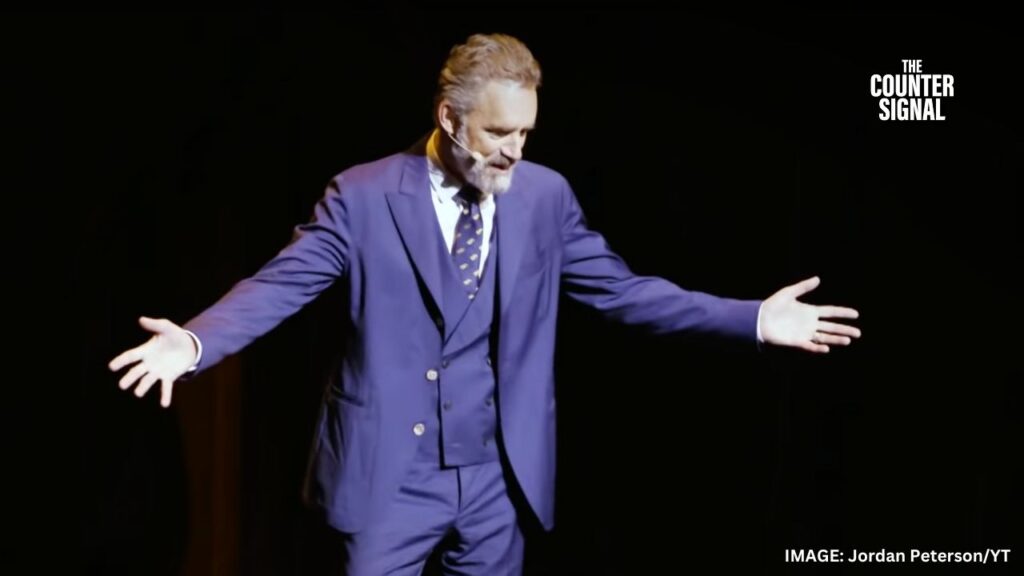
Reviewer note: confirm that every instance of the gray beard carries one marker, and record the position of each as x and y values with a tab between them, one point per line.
496	184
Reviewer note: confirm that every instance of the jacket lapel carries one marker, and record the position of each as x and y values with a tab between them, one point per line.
416	220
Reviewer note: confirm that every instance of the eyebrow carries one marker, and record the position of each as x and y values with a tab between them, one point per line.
507	129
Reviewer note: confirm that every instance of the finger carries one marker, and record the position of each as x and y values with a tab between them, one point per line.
804	286
821	338
155	325
165	393
837	312
812	347
833	328
134	374
147	382
125	358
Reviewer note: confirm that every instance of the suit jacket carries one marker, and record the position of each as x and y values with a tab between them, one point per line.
375	230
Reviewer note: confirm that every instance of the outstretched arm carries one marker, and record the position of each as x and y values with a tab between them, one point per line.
596	276
316	256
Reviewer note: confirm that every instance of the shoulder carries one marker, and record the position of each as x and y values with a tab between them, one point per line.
535	176
364	187
373	177
540	185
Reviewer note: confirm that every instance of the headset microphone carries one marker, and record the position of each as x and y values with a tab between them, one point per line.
477	157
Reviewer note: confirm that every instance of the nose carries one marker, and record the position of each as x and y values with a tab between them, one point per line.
513	150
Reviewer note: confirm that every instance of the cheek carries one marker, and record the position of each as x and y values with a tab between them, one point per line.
483	143
488	147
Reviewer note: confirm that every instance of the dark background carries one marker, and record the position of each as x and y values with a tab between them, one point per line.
731	153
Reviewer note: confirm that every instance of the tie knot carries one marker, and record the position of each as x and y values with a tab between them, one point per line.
468	195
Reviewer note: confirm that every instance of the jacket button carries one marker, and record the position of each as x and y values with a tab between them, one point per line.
419	429
432	375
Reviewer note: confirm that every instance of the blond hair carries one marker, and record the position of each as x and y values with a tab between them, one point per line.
483	58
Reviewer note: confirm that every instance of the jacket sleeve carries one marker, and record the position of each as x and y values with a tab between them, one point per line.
316	256
597	277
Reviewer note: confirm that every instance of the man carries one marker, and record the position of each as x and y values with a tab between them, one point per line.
452	256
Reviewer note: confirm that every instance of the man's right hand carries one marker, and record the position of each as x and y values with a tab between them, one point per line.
165	357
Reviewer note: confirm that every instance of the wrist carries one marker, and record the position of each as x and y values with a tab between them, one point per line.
197	347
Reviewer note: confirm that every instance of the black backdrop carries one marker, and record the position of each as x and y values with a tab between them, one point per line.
731	153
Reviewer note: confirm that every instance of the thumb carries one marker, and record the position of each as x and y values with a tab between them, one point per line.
158	326
805	286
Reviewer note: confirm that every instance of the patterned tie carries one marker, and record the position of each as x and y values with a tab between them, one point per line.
469	231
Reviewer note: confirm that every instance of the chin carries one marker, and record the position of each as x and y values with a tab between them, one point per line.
490	182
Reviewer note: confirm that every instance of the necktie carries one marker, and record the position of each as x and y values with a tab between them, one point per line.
469	231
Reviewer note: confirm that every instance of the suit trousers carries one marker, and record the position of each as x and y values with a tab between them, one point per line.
463	511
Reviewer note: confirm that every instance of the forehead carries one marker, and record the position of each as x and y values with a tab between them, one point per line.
505	104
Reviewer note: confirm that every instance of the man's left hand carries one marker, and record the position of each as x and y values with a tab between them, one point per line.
785	321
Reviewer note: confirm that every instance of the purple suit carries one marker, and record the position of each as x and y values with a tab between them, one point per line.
375	230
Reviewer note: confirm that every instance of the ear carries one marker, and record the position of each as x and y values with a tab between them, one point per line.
446	116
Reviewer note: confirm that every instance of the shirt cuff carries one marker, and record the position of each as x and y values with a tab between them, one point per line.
199	349
760	340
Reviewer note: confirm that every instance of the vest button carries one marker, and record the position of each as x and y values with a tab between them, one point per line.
489	401
488	360
447	404
419	429
444	363
439	321
432	375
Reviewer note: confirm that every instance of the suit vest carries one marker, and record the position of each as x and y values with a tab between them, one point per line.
464	422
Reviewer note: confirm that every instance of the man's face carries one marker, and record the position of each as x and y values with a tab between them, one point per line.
497	126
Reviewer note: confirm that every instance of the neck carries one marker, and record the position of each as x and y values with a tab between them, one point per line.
443	148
